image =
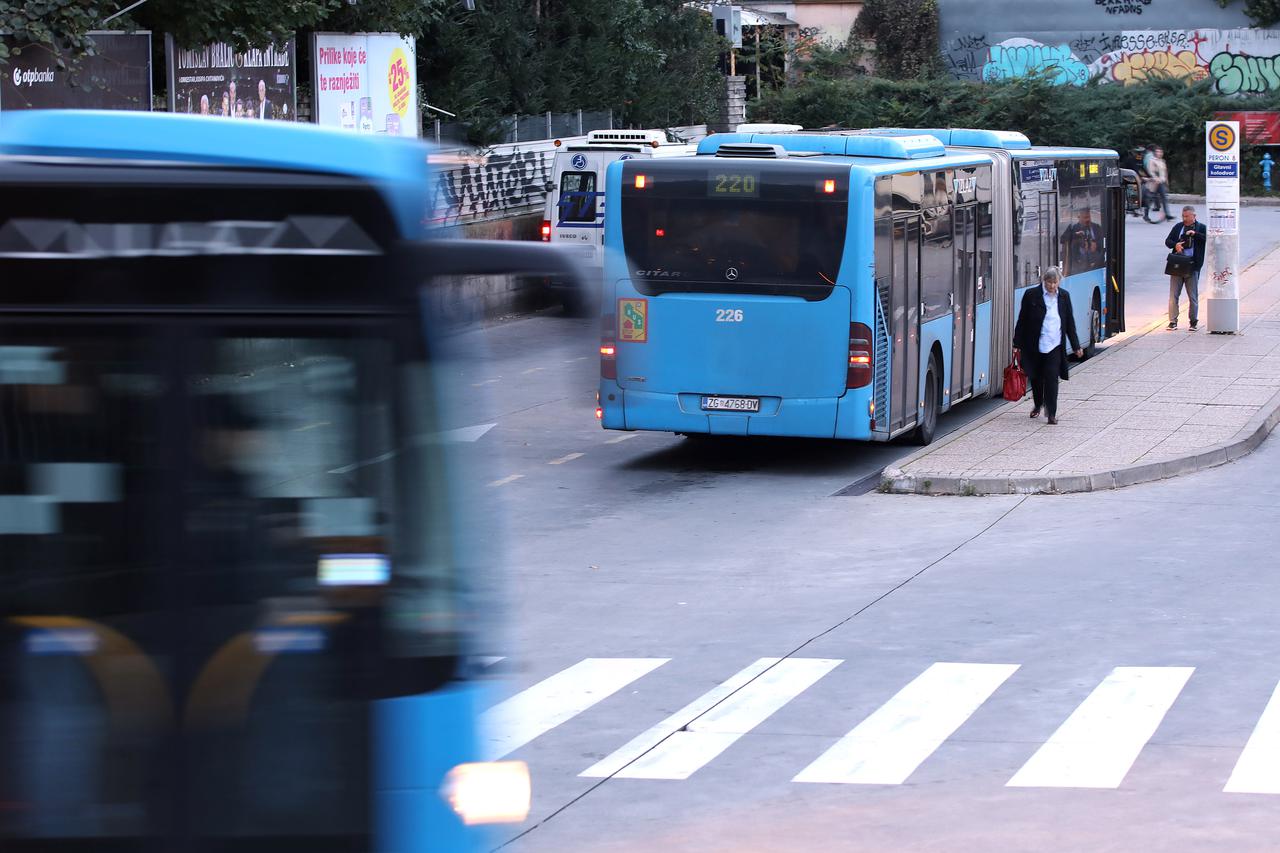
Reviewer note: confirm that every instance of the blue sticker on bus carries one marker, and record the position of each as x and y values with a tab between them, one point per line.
579	161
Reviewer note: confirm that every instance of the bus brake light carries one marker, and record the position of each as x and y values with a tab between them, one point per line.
641	181
861	357
545	231
828	186
608	347
660	232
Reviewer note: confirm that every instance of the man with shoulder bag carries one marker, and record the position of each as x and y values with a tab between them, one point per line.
1187	240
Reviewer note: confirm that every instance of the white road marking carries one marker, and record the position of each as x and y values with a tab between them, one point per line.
530	370
511	724
505	480
647	740
1102	738
489	660
888	746
684	752
618	439
484	383
566	458
463	434
1258	770
316	425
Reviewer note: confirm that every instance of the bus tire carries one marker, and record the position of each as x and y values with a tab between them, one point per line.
1095	326
923	434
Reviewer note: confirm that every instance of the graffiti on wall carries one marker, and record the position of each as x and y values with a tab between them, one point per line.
491	186
1238	61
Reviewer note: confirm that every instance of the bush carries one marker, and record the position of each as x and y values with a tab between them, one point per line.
1169	113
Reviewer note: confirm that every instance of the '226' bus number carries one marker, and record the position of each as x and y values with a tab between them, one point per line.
735	184
728	315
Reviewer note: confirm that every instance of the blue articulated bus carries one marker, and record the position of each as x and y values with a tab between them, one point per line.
239	588
851	284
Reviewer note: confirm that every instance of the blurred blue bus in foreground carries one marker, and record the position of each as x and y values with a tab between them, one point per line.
850	284
238	593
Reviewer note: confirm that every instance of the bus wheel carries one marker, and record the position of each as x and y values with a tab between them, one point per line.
1095	327
929	420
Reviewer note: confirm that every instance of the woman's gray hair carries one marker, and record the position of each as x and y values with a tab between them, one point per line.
1052	274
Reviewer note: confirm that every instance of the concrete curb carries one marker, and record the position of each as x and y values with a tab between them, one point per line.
894	481
1247	200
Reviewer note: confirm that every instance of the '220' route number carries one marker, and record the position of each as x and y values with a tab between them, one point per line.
728	315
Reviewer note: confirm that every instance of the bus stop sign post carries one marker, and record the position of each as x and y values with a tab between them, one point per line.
1222	197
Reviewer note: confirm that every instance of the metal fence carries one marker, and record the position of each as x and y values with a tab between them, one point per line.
530	128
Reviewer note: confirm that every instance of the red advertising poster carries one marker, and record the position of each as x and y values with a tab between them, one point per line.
1258	126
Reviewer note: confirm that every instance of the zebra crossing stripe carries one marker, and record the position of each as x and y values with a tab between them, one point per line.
647	740
514	722
682	753
1258	770
1102	738
888	746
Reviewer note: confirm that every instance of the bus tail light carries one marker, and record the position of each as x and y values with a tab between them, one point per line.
545	231
608	347
861	357
641	181
828	186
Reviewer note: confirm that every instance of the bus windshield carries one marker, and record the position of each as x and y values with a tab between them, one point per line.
734	226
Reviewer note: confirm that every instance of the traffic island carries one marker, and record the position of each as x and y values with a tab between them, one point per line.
1154	404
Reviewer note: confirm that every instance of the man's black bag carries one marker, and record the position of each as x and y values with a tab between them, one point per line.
1178	264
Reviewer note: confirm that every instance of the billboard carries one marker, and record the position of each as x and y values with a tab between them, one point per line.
1260	127
366	82
217	80
117	77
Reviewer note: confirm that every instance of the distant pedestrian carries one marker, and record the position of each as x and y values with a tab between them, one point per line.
1045	324
1187	239
1158	182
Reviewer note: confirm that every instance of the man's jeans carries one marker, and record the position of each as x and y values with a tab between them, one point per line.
1192	282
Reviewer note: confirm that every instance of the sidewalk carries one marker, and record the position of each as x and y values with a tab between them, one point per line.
1154	404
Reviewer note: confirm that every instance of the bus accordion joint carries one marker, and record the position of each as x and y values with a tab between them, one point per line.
861	356
608	347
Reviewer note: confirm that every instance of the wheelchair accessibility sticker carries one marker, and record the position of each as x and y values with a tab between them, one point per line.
633	320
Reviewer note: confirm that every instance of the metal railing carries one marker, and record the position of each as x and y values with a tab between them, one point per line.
528	128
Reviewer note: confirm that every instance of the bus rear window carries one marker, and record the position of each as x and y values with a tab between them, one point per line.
578	197
735	227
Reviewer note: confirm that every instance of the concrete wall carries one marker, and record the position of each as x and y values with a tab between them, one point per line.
462	301
1119	41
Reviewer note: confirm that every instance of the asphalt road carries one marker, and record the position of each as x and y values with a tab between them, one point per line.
739	659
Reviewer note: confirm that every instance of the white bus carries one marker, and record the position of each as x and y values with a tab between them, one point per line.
575	207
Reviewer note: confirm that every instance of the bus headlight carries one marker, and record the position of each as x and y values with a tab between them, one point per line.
489	791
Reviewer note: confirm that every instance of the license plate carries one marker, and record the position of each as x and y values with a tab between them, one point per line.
731	404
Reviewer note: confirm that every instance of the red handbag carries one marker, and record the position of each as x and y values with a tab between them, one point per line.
1015	380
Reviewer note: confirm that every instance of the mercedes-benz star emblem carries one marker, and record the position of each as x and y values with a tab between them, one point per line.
731	273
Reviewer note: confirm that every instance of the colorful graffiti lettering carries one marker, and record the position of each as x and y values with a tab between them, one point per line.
1235	73
1020	57
1137	67
1243	61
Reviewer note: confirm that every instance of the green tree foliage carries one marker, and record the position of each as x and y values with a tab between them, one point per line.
63	25
1263	13
1167	112
905	33
654	62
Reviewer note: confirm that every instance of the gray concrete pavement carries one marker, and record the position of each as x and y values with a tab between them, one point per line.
1067	588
